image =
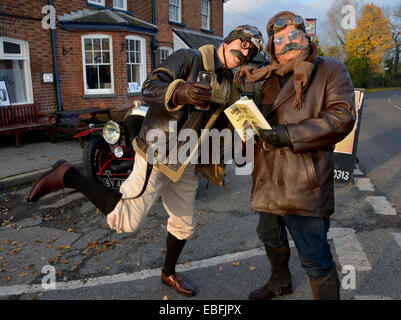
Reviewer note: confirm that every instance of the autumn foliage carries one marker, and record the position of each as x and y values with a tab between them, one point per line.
371	40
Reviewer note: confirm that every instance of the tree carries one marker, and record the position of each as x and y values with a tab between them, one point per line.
334	51
371	40
319	48
393	58
335	23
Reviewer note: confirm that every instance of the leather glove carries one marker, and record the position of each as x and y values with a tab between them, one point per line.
277	137
196	93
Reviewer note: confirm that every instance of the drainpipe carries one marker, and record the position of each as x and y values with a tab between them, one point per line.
153	44
54	52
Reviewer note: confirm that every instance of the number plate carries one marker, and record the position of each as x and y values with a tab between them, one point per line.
113	183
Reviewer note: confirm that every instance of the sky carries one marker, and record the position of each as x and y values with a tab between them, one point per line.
258	12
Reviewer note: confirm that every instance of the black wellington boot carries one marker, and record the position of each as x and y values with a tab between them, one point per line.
327	287
280	280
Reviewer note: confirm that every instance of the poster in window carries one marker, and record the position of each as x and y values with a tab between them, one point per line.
133	87
4	98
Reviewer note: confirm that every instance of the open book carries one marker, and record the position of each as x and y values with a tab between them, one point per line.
244	110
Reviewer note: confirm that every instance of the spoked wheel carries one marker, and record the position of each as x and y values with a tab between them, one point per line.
95	151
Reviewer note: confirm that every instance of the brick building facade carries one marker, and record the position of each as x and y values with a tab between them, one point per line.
103	48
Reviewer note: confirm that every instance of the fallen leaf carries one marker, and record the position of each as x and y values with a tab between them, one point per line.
236	263
187	264
51	240
252	268
64	261
27	268
14	251
23	274
49	246
107	268
8	278
92	245
47	159
69	230
120	261
75	266
63	247
220	268
165	298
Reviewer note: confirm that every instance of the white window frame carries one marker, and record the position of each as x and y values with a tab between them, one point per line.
168	49
143	64
24	56
97	2
98	36
207	27
124	7
179	6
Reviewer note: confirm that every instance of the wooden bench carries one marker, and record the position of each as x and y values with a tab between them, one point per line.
20	118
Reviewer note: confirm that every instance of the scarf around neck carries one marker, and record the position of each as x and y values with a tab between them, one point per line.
302	66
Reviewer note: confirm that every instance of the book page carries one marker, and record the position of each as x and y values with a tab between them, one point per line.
245	110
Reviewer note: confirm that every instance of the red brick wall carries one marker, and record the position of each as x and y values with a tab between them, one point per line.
69	49
190	17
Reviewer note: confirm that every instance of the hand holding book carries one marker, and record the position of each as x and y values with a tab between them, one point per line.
277	137
245	110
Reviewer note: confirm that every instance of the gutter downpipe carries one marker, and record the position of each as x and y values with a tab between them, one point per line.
55	64
153	44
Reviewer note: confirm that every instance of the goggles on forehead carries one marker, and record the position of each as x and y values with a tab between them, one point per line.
280	23
255	37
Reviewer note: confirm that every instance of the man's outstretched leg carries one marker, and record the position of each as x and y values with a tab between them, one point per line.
64	175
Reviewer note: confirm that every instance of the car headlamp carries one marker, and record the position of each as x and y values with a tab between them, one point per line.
118	152
111	132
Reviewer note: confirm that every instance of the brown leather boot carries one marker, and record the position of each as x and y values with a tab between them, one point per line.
327	287
50	182
280	280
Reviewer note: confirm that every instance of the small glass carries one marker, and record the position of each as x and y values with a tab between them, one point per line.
247	88
209	78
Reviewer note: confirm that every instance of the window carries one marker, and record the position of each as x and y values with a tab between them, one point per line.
164	53
98	2
97	64
136	62
15	70
205	13
120	4
175	10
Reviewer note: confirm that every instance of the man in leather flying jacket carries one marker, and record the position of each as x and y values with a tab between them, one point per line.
309	102
171	91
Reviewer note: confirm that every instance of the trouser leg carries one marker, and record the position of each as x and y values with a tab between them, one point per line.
105	199
310	237
272	233
174	249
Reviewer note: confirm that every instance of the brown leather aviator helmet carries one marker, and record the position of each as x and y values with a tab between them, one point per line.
280	21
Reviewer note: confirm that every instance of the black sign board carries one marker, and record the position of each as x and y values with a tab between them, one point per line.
345	150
